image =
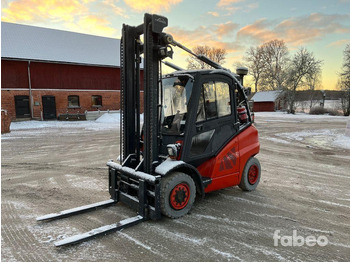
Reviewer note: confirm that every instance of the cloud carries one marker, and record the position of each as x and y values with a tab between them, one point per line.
252	6
298	31
225	29
203	35
223	3
208	36
42	10
110	5
92	24
73	15
295	31
259	32
231	10
151	5
339	43
216	14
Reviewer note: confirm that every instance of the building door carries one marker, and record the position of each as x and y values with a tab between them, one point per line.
22	106
49	107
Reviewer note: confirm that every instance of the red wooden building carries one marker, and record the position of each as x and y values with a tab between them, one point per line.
47	72
267	101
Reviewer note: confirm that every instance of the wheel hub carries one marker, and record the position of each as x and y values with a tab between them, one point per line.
179	196
253	174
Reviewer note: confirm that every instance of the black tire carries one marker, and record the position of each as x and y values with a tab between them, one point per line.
249	183
174	190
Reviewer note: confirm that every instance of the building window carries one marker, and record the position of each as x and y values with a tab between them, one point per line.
73	101
96	101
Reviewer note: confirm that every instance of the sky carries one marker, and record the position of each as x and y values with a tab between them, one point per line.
321	26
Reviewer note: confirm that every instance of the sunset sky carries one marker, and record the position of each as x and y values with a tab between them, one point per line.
322	26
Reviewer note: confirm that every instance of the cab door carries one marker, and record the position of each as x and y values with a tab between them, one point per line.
214	118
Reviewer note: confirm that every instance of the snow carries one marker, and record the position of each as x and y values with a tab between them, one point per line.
333	203
298	116
105	122
38	43
109	118
108	121
127	170
322	137
167	165
266	96
225	254
299	136
137	242
277	140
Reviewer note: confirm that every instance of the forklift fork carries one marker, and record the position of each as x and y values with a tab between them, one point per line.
136	189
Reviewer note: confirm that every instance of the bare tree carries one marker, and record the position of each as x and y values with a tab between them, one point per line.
312	82
346	66
345	99
344	81
218	55
275	58
255	63
302	65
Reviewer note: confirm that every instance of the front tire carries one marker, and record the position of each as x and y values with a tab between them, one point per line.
178	192
251	175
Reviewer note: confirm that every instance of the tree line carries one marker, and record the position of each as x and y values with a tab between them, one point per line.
272	67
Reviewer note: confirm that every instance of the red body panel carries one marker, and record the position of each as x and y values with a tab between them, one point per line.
225	170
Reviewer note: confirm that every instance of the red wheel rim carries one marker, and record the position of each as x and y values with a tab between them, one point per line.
253	174
179	196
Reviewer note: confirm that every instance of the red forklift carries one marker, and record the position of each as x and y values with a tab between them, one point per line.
197	135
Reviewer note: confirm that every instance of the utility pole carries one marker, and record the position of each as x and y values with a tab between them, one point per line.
323	98
31	102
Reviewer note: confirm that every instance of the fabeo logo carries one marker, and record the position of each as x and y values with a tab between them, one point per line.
298	241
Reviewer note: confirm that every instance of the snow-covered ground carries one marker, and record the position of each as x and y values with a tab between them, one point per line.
298	116
112	120
321	137
106	121
303	187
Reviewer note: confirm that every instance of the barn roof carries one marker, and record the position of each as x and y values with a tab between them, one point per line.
266	96
25	42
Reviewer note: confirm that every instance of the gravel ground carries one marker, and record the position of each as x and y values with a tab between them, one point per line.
304	187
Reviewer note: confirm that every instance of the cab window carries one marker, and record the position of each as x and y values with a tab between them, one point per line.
214	101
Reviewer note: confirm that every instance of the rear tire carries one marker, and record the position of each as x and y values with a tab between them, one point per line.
178	192
251	175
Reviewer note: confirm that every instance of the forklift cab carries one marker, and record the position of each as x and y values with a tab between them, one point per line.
199	114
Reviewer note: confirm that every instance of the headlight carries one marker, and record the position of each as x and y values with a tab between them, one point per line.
173	150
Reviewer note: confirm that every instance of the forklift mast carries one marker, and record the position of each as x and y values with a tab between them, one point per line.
154	48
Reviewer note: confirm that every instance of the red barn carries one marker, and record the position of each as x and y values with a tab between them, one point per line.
267	101
47	72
